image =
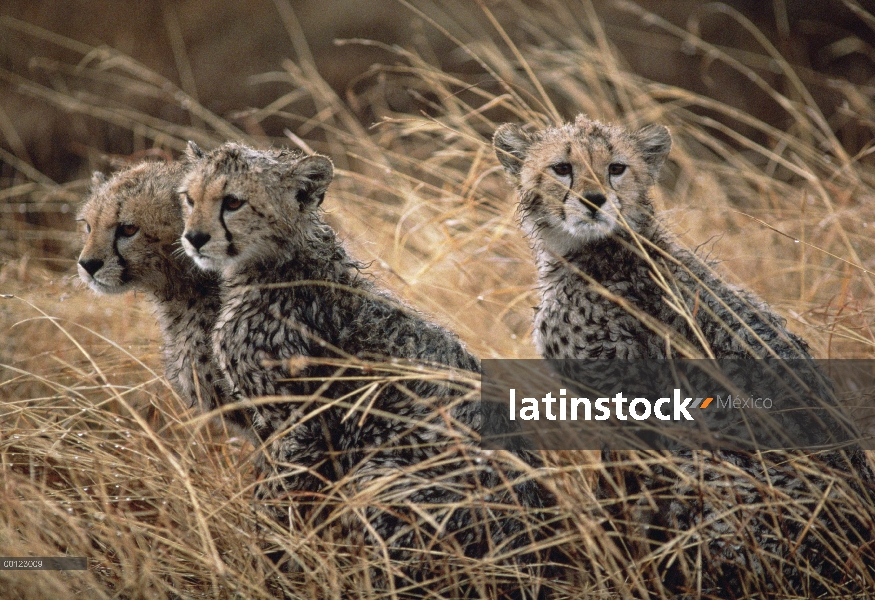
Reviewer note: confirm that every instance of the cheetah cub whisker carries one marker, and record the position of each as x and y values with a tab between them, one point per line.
133	222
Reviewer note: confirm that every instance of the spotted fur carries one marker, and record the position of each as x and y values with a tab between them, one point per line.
291	292
614	284
133	222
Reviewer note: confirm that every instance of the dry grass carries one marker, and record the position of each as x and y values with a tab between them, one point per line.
101	460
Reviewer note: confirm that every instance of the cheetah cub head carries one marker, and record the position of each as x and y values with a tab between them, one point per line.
241	203
132	224
584	181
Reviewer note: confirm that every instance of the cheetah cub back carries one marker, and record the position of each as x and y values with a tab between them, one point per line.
133	222
614	283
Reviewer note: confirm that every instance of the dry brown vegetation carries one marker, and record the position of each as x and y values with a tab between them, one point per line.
101	459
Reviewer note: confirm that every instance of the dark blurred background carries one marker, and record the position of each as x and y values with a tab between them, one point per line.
222	54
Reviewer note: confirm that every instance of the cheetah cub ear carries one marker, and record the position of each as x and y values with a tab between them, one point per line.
309	178
193	151
511	143
97	180
654	142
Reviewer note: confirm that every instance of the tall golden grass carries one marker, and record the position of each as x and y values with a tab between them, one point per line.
101	459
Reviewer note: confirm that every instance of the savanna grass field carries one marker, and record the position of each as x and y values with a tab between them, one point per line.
771	107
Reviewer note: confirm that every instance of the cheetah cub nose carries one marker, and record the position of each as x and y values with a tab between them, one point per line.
197	238
594	202
92	265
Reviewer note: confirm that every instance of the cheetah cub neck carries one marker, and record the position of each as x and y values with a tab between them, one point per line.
583	182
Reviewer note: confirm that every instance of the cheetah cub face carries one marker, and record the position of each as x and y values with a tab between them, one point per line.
581	182
240	203
132	224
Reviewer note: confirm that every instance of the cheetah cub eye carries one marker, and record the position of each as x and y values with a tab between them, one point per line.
127	230
232	203
562	169
616	169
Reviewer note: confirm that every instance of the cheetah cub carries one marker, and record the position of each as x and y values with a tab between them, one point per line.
133	222
291	291
614	283
289	288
